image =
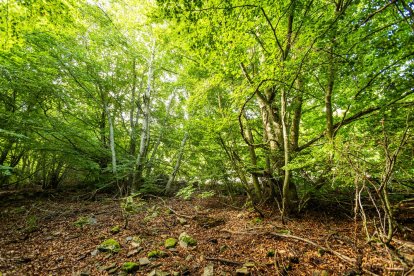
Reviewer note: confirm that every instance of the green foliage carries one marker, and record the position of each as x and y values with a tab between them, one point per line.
31	224
206	194
257	220
5	170
69	68
82	221
186	192
132	204
152	212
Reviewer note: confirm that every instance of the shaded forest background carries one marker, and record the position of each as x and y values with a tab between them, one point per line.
297	103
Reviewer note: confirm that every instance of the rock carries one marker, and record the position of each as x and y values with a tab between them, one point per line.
320	273
128	239
182	221
130	267
112	270
209	270
136	241
242	271
157	254
107	268
172	249
186	240
115	230
144	261
109	245
209	222
156	272
134	252
183	244
223	248
170	243
95	252
249	264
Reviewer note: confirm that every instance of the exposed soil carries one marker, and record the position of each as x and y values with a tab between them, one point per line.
39	237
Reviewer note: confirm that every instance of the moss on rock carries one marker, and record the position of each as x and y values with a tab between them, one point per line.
187	239
130	267
170	243
109	245
157	254
116	229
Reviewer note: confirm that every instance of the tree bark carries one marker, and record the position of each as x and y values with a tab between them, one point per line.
132	122
294	131
143	147
160	136
253	159
111	139
177	165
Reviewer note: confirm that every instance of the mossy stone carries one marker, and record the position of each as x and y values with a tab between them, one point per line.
109	245
187	239
170	243
157	254
130	267
116	229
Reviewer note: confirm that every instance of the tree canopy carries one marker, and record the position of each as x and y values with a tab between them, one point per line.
280	100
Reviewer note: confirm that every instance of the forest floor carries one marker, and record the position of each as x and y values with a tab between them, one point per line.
59	236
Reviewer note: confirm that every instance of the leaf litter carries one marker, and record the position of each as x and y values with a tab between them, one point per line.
229	241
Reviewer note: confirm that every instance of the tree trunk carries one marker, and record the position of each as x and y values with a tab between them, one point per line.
328	97
132	124
177	165
294	131
160	136
143	147
253	159
289	189
111	140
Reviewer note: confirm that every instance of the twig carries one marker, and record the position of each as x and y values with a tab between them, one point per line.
172	210
409	271
404	243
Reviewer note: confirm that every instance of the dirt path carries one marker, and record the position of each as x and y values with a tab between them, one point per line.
39	237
